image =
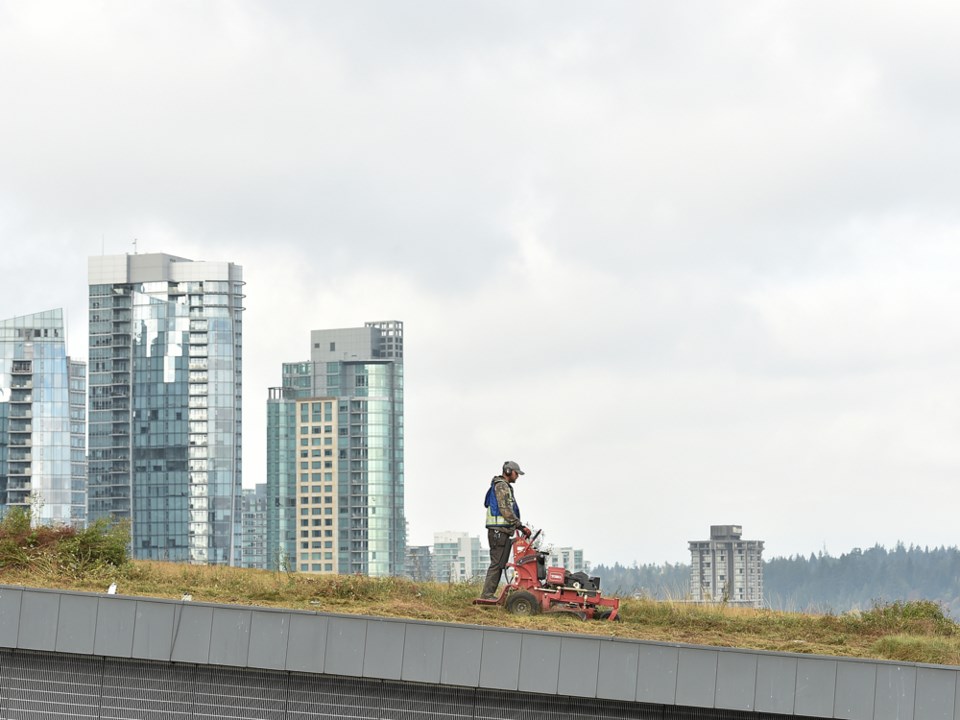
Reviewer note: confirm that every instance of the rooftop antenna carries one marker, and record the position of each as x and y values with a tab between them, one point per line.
134	246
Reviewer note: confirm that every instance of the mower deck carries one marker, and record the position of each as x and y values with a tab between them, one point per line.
536	588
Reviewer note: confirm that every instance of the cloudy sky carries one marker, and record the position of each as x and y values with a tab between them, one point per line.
688	263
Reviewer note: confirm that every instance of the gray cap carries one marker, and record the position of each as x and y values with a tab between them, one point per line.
511	465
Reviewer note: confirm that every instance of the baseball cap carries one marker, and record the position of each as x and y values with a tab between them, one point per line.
511	465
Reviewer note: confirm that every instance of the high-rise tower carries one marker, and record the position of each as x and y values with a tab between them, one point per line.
42	421
727	568
335	455
165	403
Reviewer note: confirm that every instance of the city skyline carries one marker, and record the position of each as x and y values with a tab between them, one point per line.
682	264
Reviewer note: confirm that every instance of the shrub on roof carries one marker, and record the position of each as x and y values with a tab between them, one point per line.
61	548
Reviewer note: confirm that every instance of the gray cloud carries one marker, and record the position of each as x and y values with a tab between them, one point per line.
688	264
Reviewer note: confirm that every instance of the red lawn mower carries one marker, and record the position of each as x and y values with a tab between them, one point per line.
536	588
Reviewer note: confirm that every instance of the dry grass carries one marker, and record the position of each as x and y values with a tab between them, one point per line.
916	631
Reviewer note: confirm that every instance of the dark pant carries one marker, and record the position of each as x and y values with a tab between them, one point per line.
500	546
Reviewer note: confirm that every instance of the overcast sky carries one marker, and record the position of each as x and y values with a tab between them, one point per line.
688	263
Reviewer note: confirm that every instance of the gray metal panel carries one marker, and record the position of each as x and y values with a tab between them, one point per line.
307	643
816	687
579	667
230	636
193	626
696	677
116	620
268	640
856	688
500	662
657	674
9	616
896	692
936	690
618	670
617	677
539	664
38	620
957	701
776	684
153	632
736	680
346	639
462	655
383	649
76	624
422	653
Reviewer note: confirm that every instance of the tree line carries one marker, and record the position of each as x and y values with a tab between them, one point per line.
820	583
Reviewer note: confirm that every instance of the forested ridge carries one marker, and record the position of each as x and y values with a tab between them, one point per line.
819	582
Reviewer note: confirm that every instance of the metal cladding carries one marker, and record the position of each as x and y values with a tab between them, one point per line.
270	653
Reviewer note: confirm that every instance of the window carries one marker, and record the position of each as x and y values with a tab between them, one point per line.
333	346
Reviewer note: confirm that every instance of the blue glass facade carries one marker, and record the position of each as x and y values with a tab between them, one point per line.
254	551
372	530
165	404
42	421
281	478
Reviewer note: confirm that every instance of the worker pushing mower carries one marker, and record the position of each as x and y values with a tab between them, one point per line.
533	587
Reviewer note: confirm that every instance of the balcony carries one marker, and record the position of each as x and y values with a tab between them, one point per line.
22	367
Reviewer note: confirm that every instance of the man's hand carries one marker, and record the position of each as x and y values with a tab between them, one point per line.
525	530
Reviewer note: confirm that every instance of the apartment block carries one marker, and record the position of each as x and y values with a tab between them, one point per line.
42	421
253	549
458	557
726	568
335	455
165	410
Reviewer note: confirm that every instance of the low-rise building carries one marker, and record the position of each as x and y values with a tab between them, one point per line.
457	557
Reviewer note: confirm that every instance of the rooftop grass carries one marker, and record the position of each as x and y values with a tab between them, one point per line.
93	559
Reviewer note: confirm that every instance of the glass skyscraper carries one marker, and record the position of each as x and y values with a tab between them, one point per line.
335	455
165	404
253	553
42	421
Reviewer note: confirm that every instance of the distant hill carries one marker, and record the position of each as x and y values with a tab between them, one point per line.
820	583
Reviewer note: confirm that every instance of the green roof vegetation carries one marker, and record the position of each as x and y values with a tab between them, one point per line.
92	559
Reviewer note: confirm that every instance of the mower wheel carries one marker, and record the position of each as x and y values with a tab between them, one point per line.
522	602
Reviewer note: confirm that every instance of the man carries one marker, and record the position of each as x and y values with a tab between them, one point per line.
503	518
